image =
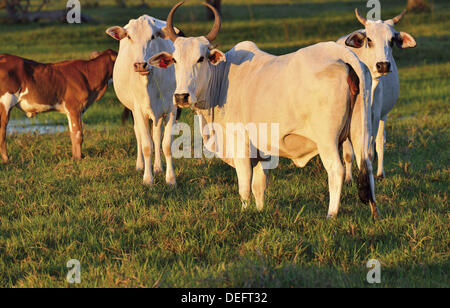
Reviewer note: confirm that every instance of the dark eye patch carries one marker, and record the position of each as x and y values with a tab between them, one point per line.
201	59
153	37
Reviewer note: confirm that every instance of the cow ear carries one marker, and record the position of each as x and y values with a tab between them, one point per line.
355	40
117	33
405	40
162	60
216	56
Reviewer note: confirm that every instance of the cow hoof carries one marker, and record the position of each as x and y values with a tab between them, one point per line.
171	182
148	182
244	205
260	208
157	170
331	216
348	181
380	177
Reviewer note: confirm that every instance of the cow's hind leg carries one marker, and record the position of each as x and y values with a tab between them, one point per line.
348	159
259	183
4	119
332	163
167	149
380	145
76	133
157	165
244	173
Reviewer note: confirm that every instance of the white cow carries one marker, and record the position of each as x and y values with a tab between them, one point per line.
373	46
312	94
146	91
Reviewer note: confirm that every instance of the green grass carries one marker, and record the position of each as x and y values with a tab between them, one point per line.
128	235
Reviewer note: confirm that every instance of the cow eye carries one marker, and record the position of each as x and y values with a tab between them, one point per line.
174	61
201	59
129	37
369	41
153	37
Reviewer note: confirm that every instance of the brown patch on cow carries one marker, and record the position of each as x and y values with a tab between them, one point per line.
68	87
353	83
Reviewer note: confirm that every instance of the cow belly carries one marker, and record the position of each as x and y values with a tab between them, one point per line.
297	147
31	109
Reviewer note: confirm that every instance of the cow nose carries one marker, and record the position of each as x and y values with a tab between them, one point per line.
140	66
182	99
384	67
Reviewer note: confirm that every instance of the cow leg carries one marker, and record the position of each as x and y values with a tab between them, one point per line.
76	133
381	146
140	158
348	158
167	148
244	173
4	119
157	165
259	183
146	143
332	163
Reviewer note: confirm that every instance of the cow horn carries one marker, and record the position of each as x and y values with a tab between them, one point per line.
360	18
169	24
397	18
217	23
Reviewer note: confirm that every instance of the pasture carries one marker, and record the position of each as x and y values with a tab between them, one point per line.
128	235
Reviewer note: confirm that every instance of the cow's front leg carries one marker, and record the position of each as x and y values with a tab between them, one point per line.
348	159
76	133
157	127
244	173
146	143
259	185
381	146
167	148
4	119
332	163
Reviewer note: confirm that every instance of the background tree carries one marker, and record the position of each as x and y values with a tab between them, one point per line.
23	11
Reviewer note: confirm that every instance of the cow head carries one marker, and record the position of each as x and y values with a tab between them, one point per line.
138	40
192	58
377	40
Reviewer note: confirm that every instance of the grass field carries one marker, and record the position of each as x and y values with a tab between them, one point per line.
128	235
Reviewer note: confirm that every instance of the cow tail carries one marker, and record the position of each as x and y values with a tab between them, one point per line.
360	131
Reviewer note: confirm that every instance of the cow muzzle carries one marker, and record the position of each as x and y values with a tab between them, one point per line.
383	67
142	68
182	100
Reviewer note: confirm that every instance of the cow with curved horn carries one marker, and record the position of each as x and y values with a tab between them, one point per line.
373	45
249	89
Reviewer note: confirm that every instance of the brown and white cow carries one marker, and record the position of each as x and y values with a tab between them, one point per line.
68	87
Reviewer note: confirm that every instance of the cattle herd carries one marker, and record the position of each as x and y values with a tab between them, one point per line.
322	97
